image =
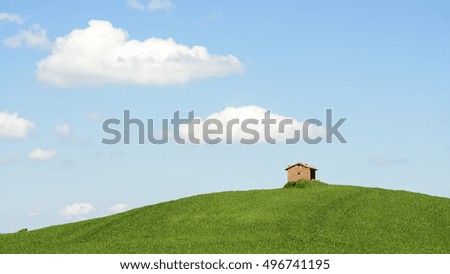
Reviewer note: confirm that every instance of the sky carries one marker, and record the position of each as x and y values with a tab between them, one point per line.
67	66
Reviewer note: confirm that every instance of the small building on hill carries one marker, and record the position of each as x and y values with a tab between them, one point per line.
301	171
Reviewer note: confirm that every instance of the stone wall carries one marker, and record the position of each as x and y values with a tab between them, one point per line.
297	172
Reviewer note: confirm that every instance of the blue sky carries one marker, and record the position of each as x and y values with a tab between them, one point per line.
382	65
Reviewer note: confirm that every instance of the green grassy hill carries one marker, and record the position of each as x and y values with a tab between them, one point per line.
314	219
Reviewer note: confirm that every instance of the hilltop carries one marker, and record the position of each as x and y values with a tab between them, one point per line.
315	218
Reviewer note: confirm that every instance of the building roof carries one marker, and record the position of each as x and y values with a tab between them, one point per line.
301	164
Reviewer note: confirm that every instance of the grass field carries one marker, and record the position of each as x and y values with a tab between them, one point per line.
310	219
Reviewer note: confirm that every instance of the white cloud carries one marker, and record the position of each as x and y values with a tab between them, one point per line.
250	112
118	208
160	5
42	155
9	158
33	37
102	54
13	18
111	154
94	116
14	127
35	213
135	4
382	160
117	154
153	5
63	130
212	17
79	210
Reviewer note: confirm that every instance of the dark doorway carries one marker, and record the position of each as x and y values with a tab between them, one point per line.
313	174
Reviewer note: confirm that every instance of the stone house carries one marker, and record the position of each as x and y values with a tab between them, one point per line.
301	171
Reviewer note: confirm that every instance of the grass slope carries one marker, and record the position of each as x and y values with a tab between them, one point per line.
325	219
